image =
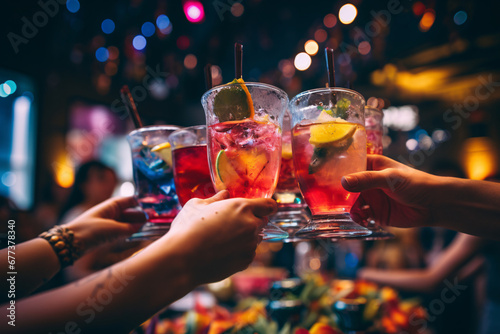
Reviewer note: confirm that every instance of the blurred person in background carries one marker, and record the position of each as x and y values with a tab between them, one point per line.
94	183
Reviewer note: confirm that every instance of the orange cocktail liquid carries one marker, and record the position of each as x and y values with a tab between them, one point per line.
245	157
319	170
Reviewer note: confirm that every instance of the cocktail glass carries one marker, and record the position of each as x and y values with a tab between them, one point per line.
190	162
244	150
374	133
329	141
292	214
153	177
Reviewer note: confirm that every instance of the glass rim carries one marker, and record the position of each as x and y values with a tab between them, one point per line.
192	127
154	128
326	89
252	84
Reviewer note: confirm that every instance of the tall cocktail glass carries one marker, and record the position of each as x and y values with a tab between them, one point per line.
374	133
244	141
328	141
190	162
153	177
292	212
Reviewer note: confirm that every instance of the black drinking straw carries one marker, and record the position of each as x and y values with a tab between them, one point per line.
128	100
208	76
238	60
330	67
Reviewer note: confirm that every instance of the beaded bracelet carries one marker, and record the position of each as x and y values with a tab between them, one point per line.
64	244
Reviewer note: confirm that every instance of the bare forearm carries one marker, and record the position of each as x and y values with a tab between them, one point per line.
469	206
35	263
120	297
407	280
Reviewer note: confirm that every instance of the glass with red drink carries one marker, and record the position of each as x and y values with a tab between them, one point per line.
190	163
329	141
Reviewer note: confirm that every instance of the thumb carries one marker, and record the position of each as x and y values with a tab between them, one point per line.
361	181
262	207
221	195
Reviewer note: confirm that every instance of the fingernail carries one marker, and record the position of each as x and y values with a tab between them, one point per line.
351	181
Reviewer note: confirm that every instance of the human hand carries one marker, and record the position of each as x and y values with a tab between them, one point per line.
392	193
220	235
113	219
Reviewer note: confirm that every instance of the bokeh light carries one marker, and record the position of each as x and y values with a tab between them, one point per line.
216	75
411	144
302	61
427	20
12	86
73	6
364	48
110	69
162	22
418	8
194	11
286	67
183	42
190	61
460	17
237	9
139	42
329	20
108	26
148	29
102	54
311	47
320	35
113	53
347	13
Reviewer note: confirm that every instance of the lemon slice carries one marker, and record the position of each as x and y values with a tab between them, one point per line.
164	150
331	134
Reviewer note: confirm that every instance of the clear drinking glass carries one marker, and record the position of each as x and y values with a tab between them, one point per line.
292	212
374	133
328	141
244	150
153	177
190	162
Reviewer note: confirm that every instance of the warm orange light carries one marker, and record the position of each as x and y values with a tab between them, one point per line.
311	47
347	13
63	171
479	158
427	20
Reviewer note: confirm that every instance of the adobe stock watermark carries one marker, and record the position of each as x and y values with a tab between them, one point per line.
223	6
40	19
437	306
102	295
139	92
454	116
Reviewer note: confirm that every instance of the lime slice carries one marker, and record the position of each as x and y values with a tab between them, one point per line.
331	134
224	168
234	102
164	150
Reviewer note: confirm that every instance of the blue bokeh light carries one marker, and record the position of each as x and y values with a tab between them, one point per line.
148	29
12	85
102	54
73	6
460	17
139	42
3	93
162	22
108	26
